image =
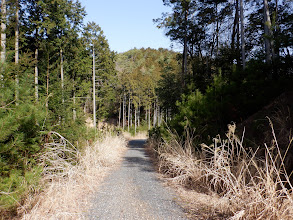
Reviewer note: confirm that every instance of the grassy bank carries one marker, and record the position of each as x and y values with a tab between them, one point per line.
226	180
70	176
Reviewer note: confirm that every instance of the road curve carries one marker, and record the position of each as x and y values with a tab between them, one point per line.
133	191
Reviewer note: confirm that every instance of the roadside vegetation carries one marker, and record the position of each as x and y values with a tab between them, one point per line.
226	179
72	176
234	70
56	73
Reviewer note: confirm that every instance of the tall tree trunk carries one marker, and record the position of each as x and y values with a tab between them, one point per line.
74	104
155	115
135	113
149	117
3	31
62	75
234	30
235	33
184	63
138	111
166	115
94	89
131	113
267	31
36	76
242	34
146	114
62	85
158	115
17	51
162	115
217	34
124	113
128	121
119	117
47	92
277	43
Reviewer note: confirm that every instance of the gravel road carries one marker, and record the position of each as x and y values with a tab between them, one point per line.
133	191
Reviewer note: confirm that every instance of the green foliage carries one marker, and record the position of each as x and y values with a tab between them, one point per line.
140	72
141	128
17	186
218	89
20	142
225	101
106	78
159	133
20	139
48	90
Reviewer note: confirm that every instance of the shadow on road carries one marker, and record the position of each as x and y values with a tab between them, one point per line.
136	143
137	156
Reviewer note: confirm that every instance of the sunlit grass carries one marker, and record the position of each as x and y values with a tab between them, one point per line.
71	176
243	185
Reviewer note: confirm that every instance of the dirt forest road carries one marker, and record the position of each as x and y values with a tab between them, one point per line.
133	191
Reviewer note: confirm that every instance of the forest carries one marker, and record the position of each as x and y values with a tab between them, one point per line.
57	72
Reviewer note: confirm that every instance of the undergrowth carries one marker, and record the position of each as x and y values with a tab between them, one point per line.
249	186
71	175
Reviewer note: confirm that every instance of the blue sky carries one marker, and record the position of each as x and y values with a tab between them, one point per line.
128	23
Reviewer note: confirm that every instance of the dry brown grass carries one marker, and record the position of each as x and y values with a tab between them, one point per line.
71	176
139	135
229	180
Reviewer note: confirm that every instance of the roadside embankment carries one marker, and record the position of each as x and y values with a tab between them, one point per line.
71	177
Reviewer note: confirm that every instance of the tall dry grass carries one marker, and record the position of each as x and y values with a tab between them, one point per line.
71	176
249	187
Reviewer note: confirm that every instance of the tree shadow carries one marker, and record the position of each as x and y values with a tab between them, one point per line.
142	162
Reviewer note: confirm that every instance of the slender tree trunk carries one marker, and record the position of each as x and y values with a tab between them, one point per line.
3	31
94	89
155	115
234	29
217	35
166	116
62	86
149	117
146	114
277	42
62	75
267	27
158	115
48	72
242	34
119	117
131	113
138	112
184	63
169	114
128	121
124	113
17	51
135	113
235	34
36	76
74	109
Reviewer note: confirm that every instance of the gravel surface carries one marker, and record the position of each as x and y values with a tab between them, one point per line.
133	191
